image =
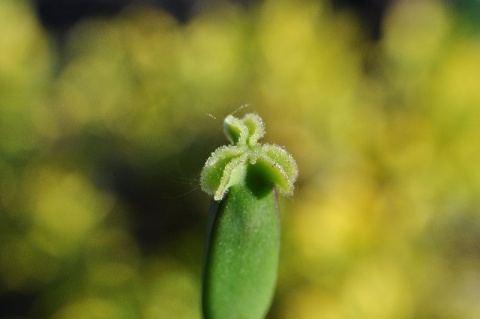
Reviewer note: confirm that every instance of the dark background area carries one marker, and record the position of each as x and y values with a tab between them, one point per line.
60	15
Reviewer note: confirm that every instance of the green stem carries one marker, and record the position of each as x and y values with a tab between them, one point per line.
241	259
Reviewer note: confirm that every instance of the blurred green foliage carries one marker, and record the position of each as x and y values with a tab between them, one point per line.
102	140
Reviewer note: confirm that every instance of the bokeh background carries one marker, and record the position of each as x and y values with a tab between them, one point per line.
108	110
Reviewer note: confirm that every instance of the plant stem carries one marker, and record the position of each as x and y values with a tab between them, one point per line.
241	259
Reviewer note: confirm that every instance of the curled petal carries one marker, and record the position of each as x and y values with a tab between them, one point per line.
256	128
213	171
283	168
235	130
232	174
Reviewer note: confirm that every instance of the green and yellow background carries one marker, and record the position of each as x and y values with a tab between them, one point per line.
103	136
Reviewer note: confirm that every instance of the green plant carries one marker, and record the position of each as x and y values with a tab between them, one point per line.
241	259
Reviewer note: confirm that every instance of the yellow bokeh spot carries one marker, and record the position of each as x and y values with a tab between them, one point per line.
92	308
65	207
